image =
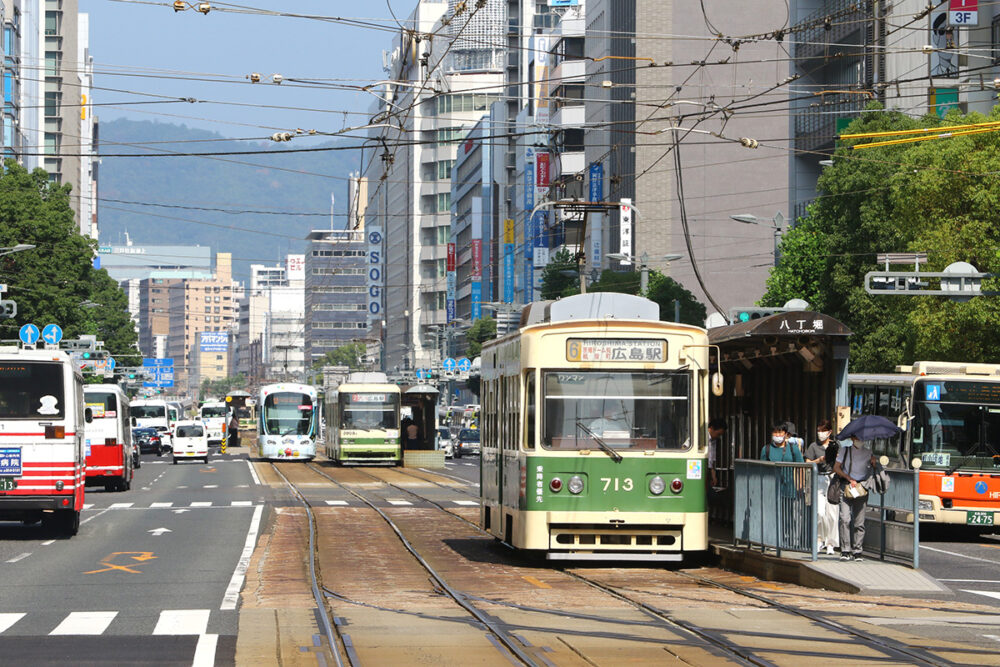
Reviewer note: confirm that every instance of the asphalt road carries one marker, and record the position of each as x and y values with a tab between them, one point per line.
146	579
965	560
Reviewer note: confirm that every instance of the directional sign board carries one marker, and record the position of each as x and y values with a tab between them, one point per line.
449	365
29	334
464	365
52	334
159	372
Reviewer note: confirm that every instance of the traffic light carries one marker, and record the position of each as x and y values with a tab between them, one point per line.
737	315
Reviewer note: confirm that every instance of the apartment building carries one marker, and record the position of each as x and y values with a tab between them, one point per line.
335	300
154	314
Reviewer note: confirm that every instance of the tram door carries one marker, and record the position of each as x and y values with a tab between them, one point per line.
422	401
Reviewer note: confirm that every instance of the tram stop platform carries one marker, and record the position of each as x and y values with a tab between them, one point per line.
869	576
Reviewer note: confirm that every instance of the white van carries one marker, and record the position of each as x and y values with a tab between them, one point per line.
190	441
214	415
153	413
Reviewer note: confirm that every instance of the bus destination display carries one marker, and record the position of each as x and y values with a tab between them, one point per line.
959	391
616	349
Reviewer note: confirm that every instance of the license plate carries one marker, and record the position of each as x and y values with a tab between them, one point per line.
8	483
979	518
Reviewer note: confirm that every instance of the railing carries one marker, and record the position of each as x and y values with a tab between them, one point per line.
774	505
892	524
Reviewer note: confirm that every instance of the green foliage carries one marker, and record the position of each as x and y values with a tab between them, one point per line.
941	197
219	388
56	282
662	289
560	277
482	330
346	355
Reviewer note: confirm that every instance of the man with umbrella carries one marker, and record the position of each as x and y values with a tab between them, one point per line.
856	465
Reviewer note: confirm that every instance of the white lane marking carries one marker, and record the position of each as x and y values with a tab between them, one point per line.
236	582
120	506
994	637
241	503
211	486
242	486
201	503
85	623
19	557
951	619
182	622
48	542
466	502
399	502
91	518
253	473
204	653
972	581
952	553
161	505
87	506
989	594
182	486
9	619
339	503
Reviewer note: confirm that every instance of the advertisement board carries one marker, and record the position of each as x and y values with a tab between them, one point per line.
375	272
214	341
625	229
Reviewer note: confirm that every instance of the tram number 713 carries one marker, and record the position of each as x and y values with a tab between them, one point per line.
620	484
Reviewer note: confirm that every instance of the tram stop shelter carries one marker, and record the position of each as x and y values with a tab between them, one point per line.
789	367
420	401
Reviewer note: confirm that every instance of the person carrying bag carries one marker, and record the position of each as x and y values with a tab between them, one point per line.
854	467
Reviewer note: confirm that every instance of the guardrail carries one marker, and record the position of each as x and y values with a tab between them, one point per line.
892	523
774	505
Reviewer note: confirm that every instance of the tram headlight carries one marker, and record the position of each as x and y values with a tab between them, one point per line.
677	485
575	485
555	486
657	485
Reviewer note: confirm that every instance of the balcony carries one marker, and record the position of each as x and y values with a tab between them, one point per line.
572	162
569	71
433	252
574	116
844	17
816	126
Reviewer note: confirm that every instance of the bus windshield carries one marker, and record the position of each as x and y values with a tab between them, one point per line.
369	411
148	411
954	436
623	410
213	412
102	405
288	413
31	390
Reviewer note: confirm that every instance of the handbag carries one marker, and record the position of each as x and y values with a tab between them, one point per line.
835	493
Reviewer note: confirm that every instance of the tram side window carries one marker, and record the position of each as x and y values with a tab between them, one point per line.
529	411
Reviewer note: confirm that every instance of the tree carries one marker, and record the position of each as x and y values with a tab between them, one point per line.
662	289
482	330
560	277
940	197
346	355
221	387
56	282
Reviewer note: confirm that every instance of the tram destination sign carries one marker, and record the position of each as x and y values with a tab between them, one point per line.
616	349
959	391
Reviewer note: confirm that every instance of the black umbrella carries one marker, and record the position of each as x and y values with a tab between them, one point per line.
869	427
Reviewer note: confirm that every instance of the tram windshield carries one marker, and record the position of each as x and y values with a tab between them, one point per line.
957	436
148	411
369	411
288	413
622	410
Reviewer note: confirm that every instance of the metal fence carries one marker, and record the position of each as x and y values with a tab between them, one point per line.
892	524
774	505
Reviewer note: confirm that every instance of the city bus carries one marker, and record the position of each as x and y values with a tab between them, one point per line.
288	424
214	416
950	413
42	454
594	432
362	420
108	438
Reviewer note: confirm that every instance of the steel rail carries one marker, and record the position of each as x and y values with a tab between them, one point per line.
335	646
509	642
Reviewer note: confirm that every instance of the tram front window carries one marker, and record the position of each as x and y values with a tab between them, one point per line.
624	410
368	412
956	436
288	414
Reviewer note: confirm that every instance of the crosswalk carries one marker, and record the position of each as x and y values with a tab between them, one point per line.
189	622
198	504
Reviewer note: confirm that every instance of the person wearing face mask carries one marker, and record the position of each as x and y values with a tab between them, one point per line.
778	450
823	452
855	464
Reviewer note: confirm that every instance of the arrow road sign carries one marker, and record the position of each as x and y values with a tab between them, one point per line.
449	364
159	531
52	334
464	365
111	363
29	334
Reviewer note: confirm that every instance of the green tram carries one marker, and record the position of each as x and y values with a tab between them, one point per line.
362	421
594	431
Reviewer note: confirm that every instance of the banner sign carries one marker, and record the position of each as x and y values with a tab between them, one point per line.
963	13
542	170
375	272
625	229
452	284
596	173
451	257
476	301
214	341
477	258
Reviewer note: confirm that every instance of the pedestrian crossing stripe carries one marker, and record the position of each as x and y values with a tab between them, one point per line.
172	622
466	503
399	502
168	505
336	502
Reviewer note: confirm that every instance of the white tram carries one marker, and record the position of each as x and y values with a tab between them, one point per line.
288	426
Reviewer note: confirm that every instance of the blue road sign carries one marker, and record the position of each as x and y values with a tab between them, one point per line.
449	364
464	365
933	392
29	334
111	363
52	334
159	372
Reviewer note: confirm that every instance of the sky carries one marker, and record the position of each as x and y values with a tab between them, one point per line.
155	43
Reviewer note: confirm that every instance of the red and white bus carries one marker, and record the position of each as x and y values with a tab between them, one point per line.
42	456
108	438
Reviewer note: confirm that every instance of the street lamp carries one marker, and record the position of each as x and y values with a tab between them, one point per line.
776	224
18	248
643	262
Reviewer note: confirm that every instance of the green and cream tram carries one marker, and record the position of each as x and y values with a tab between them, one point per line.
594	439
362	421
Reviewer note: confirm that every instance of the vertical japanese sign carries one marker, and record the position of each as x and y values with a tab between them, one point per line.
596	173
375	273
508	261
625	228
295	267
596	220
542	170
452	282
476	248
541	79
529	232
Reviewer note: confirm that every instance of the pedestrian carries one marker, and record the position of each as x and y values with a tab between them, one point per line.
412	433
781	448
716	429
855	464
823	452
234	432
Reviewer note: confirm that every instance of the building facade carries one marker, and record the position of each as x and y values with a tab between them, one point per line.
335	303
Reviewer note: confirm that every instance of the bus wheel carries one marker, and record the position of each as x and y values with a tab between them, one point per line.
69	522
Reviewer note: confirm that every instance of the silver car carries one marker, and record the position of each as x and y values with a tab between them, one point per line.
445	442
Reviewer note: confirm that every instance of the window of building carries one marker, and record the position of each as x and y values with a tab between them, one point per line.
8	42
443	202
444	168
449	135
208	319
52	23
569	48
53	100
53	63
218	357
208	299
218	299
442	235
218	319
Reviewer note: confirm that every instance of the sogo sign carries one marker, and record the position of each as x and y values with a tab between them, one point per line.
374	272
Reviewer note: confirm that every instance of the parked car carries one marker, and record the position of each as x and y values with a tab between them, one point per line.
148	440
190	441
445	442
468	442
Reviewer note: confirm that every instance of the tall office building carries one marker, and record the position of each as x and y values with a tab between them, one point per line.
335	303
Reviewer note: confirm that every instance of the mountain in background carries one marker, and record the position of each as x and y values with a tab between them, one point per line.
183	186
